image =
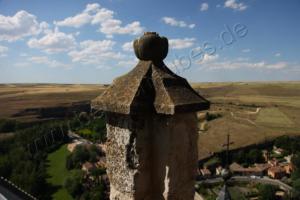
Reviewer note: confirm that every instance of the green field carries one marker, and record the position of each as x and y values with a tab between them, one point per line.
57	172
273	117
86	132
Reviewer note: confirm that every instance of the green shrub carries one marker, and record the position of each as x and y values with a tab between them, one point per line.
7	125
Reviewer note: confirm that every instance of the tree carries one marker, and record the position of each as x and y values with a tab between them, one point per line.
255	156
296	160
20	166
80	155
283	142
240	156
96	173
99	126
84	117
97	192
267	192
73	183
73	186
296	174
93	156
296	187
75	123
5	166
7	125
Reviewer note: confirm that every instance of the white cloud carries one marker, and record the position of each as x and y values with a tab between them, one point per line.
128	46
181	43
237	64
204	6
96	15
102	15
88	15
21	25
278	54
95	52
173	22
278	65
208	58
246	50
233	4
113	26
3	50
38	59
53	42
46	61
128	63
92	7
76	21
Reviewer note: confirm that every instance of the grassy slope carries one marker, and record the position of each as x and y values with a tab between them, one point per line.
273	117
58	172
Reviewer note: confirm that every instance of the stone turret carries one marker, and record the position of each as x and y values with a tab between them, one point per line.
151	128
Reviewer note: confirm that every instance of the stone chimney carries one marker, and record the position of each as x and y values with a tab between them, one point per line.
151	128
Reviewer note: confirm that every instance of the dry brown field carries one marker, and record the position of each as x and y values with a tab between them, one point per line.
251	112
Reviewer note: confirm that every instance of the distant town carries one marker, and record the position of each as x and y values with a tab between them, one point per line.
276	165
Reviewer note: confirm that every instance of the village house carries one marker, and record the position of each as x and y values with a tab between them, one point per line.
274	162
219	170
276	172
278	151
257	170
288	158
266	155
288	168
263	167
88	167
205	172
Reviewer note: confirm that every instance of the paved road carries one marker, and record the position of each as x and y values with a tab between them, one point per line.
212	180
5	194
264	180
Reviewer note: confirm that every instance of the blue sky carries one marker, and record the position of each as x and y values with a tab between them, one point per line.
76	41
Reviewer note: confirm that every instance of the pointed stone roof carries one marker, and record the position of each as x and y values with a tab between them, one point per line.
151	86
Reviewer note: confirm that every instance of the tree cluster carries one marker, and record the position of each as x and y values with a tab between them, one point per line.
248	157
96	126
19	165
81	154
7	125
80	185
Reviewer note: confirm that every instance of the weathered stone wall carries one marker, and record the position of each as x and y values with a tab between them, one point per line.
128	157
175	157
152	157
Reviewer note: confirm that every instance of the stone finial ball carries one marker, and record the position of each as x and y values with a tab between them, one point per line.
151	47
